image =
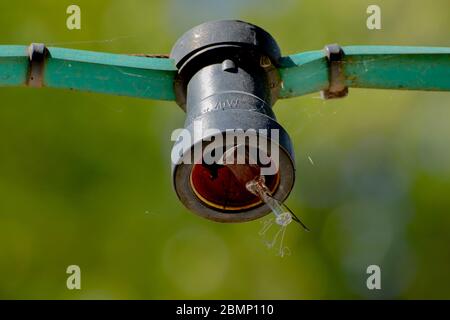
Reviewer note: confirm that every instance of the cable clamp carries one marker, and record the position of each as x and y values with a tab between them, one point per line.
337	88
37	55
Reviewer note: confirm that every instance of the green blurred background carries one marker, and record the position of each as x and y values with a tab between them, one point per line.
85	178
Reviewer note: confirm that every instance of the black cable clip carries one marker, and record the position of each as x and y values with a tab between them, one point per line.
337	88
37	55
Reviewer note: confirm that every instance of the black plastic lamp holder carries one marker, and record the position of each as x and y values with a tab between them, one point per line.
227	79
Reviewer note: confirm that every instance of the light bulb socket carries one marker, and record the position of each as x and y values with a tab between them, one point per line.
227	80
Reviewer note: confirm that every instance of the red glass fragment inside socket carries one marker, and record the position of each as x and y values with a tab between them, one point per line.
223	186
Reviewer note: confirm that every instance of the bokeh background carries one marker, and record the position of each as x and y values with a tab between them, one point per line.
85	178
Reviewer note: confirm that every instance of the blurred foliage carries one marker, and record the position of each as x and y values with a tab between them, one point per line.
85	178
